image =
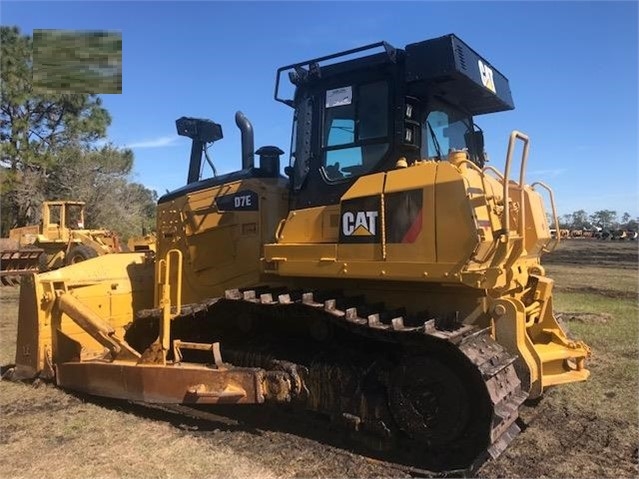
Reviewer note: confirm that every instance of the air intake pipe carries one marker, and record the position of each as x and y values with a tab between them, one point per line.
248	159
270	160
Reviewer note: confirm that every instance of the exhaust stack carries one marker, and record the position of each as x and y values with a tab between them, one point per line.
248	159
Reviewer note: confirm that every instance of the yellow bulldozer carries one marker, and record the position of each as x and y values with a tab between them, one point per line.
391	281
59	240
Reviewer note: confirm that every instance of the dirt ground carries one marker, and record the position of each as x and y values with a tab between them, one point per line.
584	430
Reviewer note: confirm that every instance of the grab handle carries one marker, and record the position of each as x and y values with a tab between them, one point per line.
554	214
514	136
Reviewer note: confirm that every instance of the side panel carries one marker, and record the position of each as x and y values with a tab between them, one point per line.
409	198
455	228
220	231
409	224
319	224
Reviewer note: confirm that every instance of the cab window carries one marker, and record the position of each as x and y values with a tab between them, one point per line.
445	129
356	129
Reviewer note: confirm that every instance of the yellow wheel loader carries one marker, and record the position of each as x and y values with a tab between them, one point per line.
145	242
392	281
60	239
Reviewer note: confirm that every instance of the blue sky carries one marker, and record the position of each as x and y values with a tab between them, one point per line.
572	68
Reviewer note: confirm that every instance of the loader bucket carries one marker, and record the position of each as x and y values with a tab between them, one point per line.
15	263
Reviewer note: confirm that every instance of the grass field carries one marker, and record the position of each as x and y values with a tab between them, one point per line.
588	429
584	430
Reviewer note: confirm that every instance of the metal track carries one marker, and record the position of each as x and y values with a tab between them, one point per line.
341	345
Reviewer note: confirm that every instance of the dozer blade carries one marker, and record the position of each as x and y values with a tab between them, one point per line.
108	289
172	384
72	323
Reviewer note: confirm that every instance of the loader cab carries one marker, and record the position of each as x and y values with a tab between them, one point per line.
361	116
59	217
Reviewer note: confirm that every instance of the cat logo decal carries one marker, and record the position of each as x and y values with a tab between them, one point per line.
359	223
486	74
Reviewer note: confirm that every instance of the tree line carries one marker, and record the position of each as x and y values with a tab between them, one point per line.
48	152
604	219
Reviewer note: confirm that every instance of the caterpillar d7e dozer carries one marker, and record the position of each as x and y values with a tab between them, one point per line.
392	281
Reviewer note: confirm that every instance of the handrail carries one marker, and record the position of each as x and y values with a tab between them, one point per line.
554	212
178	295
390	50
278	230
494	170
515	135
472	165
164	266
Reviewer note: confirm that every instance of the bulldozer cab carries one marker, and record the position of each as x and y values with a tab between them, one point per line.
59	217
360	116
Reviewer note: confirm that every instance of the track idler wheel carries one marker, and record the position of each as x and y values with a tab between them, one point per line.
428	401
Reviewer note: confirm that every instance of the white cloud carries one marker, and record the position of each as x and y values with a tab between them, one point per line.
155	142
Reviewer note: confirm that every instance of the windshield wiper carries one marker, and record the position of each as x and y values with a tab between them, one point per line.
437	147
